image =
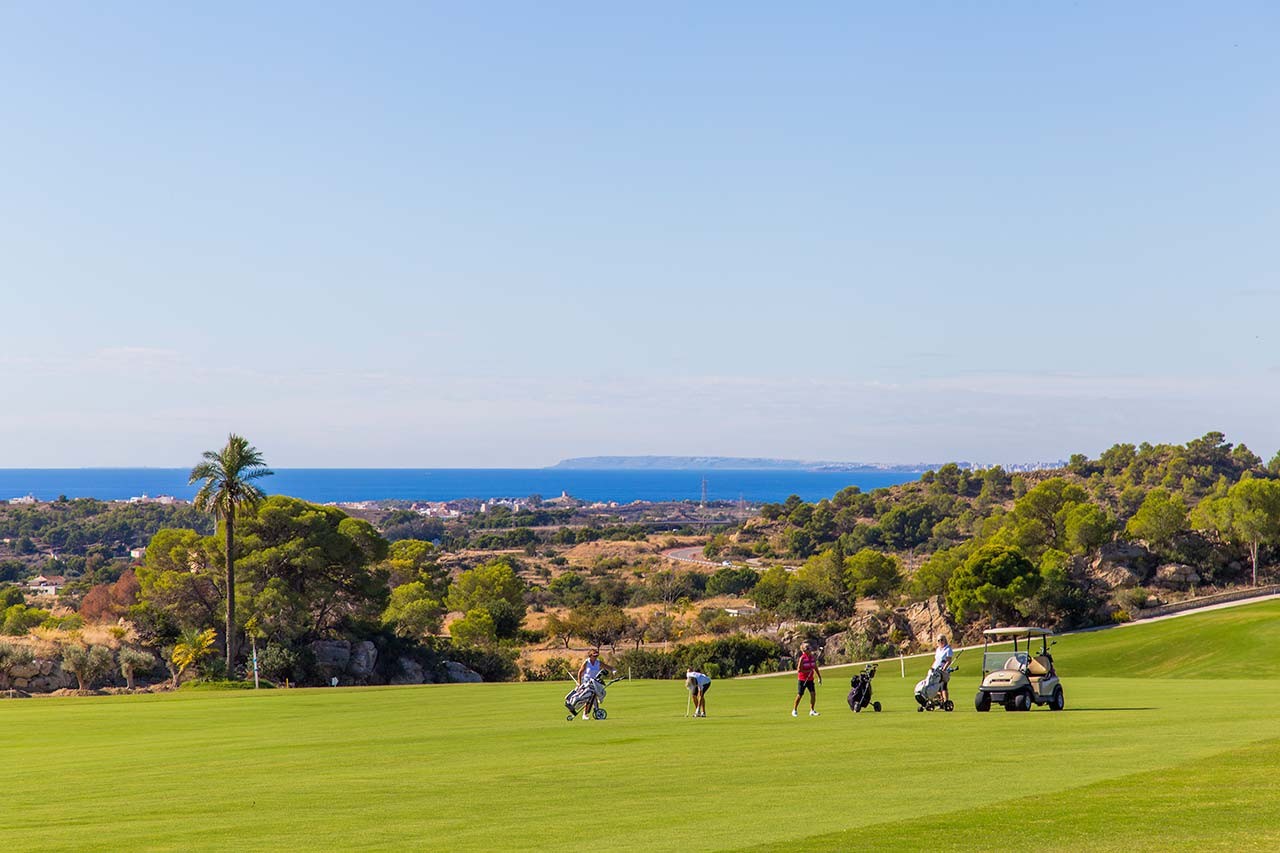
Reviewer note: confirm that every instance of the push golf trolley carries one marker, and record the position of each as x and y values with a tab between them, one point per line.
590	690
860	690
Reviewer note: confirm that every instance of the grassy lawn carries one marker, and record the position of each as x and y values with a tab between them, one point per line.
1154	752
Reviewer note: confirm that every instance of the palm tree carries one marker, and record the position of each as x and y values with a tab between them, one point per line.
228	487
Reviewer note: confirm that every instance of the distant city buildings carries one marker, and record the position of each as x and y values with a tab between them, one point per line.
24	501
165	500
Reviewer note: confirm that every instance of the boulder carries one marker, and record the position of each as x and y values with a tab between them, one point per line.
410	672
364	655
1119	562
46	666
24	670
455	671
1115	575
1177	575
332	654
21	683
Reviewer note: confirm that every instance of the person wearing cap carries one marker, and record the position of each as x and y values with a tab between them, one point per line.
806	672
591	668
698	685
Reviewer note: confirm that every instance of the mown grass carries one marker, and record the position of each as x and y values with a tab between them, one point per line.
1136	762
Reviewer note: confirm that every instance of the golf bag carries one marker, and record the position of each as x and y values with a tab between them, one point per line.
589	690
860	689
929	688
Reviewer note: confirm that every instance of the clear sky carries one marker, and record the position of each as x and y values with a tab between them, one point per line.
500	234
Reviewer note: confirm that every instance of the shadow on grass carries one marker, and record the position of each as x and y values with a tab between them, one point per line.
1084	710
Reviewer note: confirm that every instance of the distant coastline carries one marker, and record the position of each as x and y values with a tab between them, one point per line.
337	485
741	463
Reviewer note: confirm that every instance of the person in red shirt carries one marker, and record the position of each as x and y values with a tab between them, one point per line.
806	672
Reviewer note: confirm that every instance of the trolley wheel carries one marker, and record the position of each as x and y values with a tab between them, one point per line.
570	718
876	705
600	713
948	705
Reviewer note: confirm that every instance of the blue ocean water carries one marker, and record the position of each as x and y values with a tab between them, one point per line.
323	485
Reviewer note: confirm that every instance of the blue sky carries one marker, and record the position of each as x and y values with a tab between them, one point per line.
419	235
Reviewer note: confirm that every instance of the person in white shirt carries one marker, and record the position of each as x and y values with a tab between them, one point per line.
591	668
698	685
942	657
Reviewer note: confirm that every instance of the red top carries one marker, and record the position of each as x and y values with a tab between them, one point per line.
805	672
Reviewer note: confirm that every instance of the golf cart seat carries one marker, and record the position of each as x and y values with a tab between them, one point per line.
1016	663
1038	667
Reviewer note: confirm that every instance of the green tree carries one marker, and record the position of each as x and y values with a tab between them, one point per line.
177	582
227	486
476	628
934	574
1248	513
825	572
771	590
992	581
1161	516
413	611
1086	526
309	570
496	588
871	573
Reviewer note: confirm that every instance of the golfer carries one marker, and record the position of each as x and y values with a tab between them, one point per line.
942	657
698	685
591	668
806	672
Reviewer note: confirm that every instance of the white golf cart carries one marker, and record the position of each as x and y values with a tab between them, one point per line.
1016	678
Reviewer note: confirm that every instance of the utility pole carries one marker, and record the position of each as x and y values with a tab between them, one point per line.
703	504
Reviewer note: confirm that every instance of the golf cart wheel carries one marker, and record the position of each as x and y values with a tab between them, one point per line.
982	701
876	705
1059	701
600	713
1023	701
948	705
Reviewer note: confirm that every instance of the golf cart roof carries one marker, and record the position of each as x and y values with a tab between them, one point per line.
1017	632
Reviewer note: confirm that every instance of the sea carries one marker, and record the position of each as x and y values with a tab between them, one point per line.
337	485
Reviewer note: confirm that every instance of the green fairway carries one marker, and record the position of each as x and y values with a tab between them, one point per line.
1154	752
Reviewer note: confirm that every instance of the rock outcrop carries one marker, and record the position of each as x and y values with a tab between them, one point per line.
1121	564
364	657
1176	576
332	656
456	672
411	672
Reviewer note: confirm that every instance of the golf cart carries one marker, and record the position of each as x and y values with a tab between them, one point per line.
1015	678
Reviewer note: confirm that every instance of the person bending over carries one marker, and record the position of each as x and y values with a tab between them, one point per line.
698	685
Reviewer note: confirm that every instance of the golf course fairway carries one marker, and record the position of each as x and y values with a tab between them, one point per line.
1170	740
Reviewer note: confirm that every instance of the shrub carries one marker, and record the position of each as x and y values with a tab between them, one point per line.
280	662
552	669
87	663
733	655
491	664
134	661
19	619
